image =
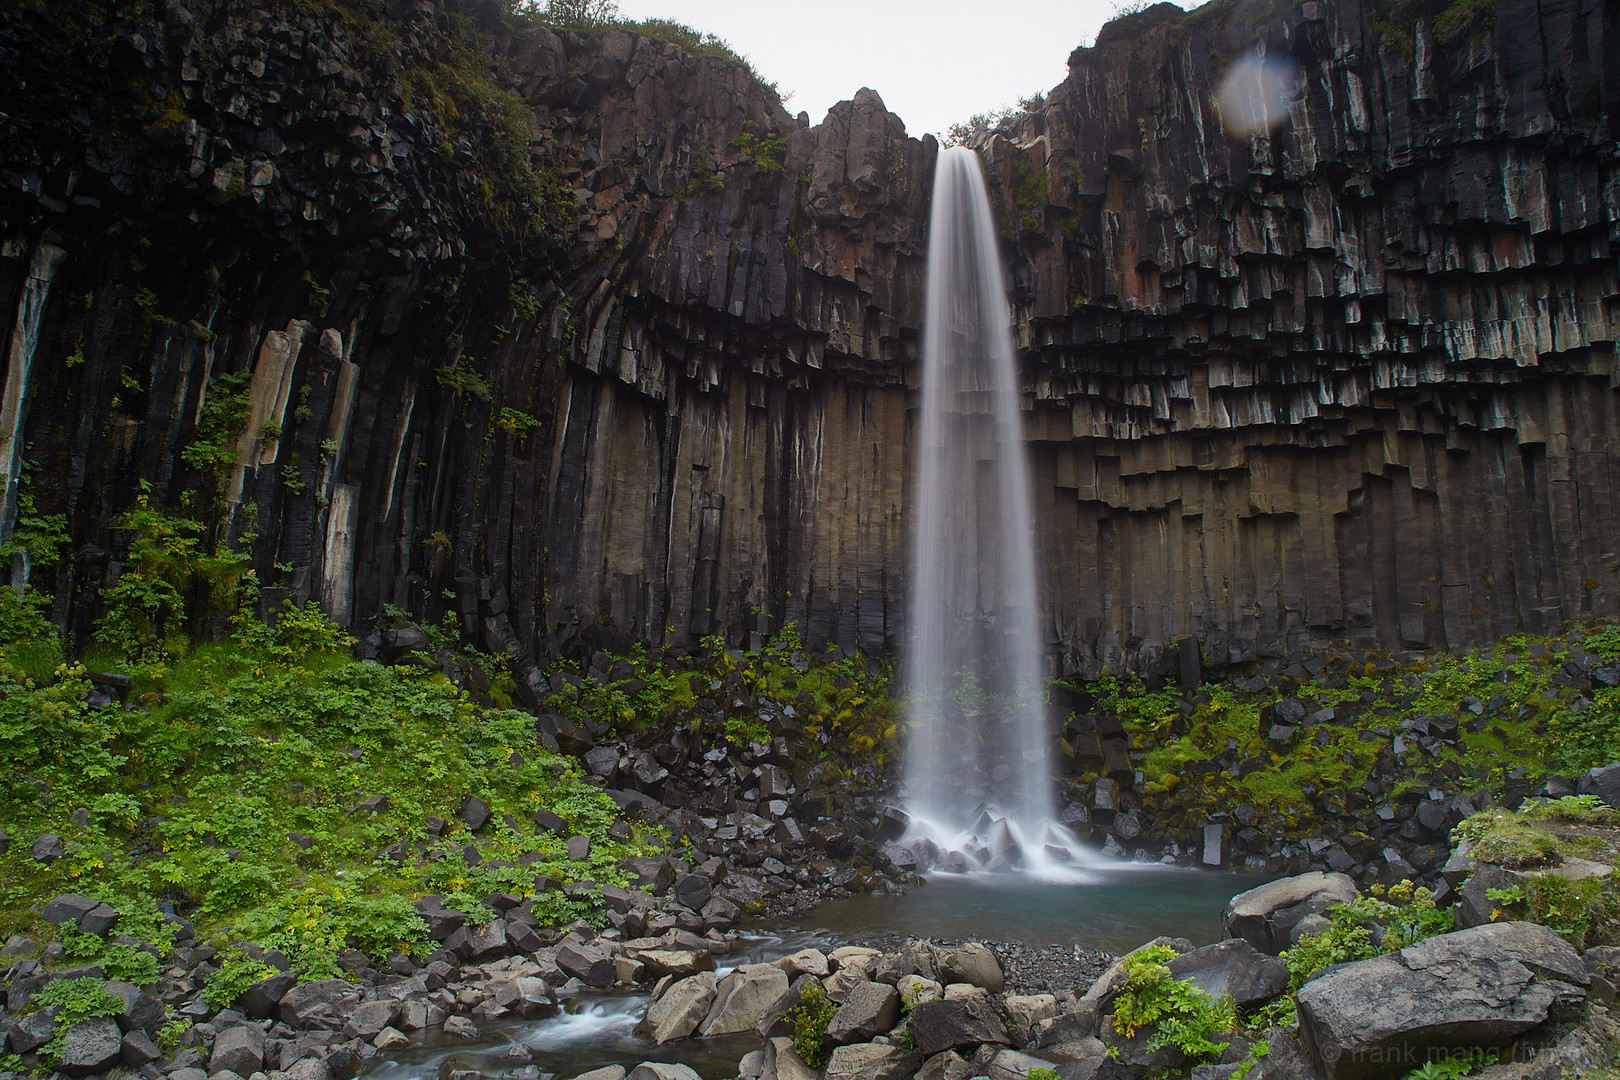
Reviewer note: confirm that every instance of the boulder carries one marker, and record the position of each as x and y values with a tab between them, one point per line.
658	1070
68	908
973	963
1265	917
869	1009
474	812
1233	968
480	944
262	1000
91	1046
137	1049
239	1048
681	963
1473	988
1101	993
681	1008
33	1031
744	998
804	962
871	1061
141	1011
47	847
1285	1059
460	1027
1014	1065
324	1003
782	1062
693	891
366	1021
1603	782
956	1023
587	963
1066	1028
523	996
1024	1011
946	1065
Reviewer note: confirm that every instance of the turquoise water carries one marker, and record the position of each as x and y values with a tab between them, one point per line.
1116	910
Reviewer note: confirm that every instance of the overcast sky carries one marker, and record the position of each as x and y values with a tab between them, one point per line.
933	63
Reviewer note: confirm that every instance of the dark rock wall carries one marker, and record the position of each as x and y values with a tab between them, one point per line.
1351	378
1348	377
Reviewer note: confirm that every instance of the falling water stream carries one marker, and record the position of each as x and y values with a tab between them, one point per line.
978	783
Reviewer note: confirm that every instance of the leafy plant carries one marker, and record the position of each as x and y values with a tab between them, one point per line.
220	423
515	420
1178	1013
1376	922
146	607
39	536
1453	1066
75	1000
170	1034
809	1020
460	379
234	976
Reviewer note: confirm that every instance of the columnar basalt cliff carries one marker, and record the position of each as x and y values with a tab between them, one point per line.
588	341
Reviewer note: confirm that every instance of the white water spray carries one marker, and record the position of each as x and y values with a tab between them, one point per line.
977	775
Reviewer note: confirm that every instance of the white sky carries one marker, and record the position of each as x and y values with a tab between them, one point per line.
933	63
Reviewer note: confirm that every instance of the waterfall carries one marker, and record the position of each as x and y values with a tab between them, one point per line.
976	752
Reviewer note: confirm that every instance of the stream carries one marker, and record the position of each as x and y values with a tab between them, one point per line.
1113	910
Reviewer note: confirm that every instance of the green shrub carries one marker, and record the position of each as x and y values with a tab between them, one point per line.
234	976
1178	1013
810	1019
75	1000
1368	926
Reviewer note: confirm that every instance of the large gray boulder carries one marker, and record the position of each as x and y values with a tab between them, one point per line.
141	1011
324	1003
1266	916
1286	1059
587	963
1603	782
1014	1065
871	1061
1101	993
681	1008
681	963
239	1048
869	1010
1477	987
973	963
91	1046
660	1070
782	1062
744	998
1233	968
956	1023
262	1000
